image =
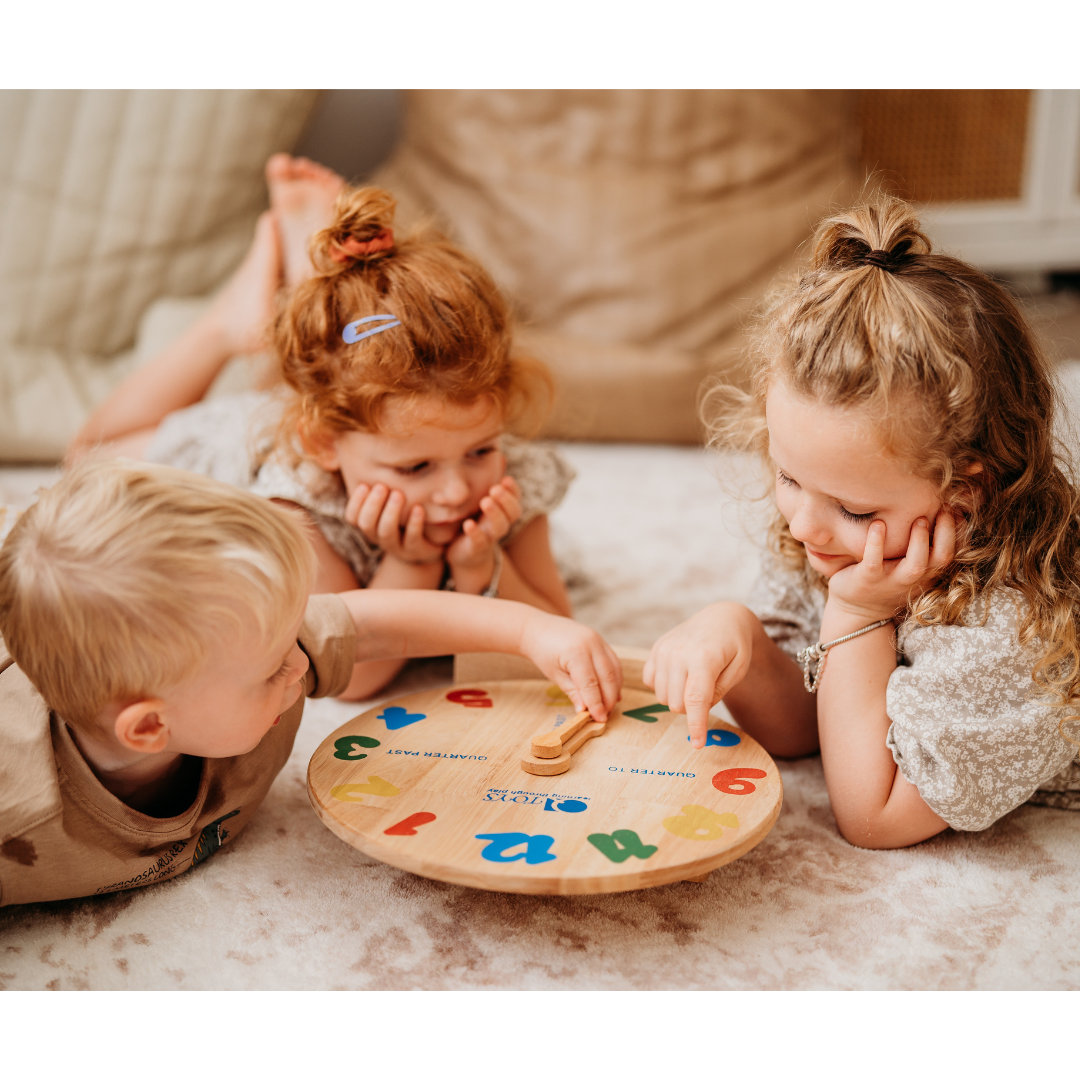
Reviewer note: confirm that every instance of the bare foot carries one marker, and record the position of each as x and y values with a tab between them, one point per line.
244	308
302	196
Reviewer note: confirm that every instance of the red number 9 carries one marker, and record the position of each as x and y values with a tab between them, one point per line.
737	781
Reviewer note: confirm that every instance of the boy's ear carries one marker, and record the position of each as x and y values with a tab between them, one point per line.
319	446
140	726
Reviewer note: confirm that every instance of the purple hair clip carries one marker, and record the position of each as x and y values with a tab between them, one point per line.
350	336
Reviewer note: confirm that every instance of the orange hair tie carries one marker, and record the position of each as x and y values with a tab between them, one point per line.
351	248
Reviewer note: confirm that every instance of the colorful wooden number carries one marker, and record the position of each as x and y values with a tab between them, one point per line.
499	843
720	737
407	827
645	712
620	845
396	717
737	781
471	699
700	823
375	785
348	749
557	696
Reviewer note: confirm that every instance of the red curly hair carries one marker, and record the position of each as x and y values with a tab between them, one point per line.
455	341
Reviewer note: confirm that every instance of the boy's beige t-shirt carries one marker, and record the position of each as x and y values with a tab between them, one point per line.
62	834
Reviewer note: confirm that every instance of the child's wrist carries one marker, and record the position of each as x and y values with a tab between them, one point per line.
473	578
429	560
842	618
426	575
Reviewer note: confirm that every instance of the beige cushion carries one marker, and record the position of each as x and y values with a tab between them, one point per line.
109	199
633	229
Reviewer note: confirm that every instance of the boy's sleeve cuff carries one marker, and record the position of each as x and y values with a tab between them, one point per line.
328	636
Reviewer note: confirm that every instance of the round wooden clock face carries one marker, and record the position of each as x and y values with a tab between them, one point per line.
433	783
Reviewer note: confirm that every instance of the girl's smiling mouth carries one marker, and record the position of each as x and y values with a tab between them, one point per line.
822	555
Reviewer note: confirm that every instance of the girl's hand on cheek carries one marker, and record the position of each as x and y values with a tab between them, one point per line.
877	588
474	549
376	511
500	508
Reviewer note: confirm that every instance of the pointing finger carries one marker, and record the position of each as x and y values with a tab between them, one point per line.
697	701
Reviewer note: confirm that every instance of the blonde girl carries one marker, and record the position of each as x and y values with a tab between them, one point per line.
392	430
916	617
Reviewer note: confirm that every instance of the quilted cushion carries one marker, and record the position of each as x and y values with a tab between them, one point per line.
108	199
632	228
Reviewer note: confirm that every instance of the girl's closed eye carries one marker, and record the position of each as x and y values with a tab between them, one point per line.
412	470
483	451
848	515
845	513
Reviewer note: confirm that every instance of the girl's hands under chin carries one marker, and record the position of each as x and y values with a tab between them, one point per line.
474	549
376	512
877	588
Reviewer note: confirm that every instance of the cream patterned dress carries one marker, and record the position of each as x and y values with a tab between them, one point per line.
232	439
968	729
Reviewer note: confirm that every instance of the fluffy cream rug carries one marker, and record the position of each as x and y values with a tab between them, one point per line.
648	536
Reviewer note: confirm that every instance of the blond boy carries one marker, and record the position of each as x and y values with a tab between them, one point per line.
160	641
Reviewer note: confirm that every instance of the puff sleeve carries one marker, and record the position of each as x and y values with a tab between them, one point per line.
968	728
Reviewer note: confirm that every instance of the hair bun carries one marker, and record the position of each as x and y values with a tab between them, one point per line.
885	234
361	229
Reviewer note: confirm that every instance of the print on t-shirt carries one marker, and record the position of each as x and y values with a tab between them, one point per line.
211	838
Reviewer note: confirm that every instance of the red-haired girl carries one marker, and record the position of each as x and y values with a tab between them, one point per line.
393	428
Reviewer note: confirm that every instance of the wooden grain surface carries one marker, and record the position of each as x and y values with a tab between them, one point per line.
435	786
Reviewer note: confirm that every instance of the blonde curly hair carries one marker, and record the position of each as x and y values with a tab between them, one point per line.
942	358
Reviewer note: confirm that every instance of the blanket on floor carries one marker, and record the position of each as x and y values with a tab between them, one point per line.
647	536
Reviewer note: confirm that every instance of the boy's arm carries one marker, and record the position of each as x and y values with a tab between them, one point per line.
404	623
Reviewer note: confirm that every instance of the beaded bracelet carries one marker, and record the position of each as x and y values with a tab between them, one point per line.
816	654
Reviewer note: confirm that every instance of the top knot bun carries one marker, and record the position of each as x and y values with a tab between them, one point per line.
361	230
885	234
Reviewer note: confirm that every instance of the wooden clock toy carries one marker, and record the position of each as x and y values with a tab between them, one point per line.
498	784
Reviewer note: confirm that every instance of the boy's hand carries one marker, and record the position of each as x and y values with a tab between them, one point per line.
578	660
500	508
376	512
877	588
693	666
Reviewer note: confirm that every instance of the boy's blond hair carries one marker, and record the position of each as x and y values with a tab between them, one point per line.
117	584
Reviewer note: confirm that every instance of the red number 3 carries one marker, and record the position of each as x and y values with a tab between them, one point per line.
737	781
